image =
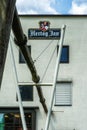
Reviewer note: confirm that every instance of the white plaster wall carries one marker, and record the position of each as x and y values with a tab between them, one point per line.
63	118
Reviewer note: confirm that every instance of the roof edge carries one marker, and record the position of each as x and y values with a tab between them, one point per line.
51	15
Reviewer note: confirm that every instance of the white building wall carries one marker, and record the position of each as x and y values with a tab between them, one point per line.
65	117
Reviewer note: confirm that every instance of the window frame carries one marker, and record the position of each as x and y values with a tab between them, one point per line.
32	111
67	47
64	82
22	96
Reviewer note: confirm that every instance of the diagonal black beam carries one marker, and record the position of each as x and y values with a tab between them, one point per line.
21	40
6	17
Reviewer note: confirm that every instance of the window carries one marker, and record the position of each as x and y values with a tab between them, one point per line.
64	55
63	94
11	119
26	92
21	58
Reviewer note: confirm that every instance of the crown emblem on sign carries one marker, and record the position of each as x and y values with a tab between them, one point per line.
44	25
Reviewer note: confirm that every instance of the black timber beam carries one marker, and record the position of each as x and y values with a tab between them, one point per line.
6	17
21	40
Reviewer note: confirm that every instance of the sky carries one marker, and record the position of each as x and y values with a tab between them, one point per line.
52	7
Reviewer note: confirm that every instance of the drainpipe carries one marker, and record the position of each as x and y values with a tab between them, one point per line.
21	40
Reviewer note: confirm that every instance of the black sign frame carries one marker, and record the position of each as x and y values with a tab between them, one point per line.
53	33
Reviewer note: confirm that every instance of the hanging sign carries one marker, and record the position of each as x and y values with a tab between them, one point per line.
44	32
